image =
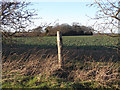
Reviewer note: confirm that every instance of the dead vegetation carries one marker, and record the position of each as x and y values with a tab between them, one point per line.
34	63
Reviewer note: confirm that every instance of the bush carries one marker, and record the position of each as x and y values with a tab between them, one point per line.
68	30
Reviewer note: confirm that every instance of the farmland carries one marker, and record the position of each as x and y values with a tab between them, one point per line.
34	60
70	41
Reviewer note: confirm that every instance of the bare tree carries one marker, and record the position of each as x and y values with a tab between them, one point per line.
14	16
107	15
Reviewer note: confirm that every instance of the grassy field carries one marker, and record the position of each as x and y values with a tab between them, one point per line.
71	41
90	62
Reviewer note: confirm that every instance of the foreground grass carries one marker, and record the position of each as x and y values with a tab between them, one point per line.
35	70
74	75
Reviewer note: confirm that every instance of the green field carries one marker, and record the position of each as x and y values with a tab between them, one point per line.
86	42
90	62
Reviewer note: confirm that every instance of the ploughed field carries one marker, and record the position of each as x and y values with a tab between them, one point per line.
34	59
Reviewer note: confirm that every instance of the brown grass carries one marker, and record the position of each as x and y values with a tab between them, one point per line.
37	63
106	74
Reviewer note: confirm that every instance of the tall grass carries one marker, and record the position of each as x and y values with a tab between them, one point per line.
37	69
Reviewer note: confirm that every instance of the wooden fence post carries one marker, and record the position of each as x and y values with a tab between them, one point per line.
59	44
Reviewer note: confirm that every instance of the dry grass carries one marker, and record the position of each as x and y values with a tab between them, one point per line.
106	74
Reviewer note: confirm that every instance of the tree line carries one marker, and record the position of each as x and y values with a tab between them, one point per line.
66	29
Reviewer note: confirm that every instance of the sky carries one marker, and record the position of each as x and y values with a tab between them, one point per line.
63	12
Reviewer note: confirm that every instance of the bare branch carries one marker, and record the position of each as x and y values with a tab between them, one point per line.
108	12
15	16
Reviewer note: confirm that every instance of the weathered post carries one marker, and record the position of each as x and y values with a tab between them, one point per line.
119	21
59	44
